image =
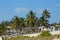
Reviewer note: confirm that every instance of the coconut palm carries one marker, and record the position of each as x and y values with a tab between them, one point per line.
37	23
15	22
22	22
44	19
31	19
2	28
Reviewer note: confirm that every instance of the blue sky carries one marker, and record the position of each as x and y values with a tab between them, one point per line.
10	8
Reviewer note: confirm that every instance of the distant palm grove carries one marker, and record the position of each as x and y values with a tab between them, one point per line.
31	20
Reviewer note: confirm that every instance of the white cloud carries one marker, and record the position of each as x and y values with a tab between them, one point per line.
57	5
21	10
26	10
36	10
40	10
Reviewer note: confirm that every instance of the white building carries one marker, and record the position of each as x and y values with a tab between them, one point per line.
52	29
55	29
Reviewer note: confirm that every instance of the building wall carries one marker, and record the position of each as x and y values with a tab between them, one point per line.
55	32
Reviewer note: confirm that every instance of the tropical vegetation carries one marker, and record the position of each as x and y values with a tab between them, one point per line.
31	20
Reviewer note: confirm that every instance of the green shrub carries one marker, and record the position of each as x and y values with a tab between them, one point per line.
45	34
26	37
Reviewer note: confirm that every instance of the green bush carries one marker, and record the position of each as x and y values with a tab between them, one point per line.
45	34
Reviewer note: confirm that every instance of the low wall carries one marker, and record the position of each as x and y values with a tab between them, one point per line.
36	34
31	35
55	32
0	38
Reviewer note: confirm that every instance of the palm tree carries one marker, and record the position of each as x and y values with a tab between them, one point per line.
15	22
2	28
31	19
44	19
22	22
37	23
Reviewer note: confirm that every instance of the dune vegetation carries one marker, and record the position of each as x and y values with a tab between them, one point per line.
43	36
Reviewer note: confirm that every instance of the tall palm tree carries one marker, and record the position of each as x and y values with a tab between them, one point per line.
44	19
31	18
